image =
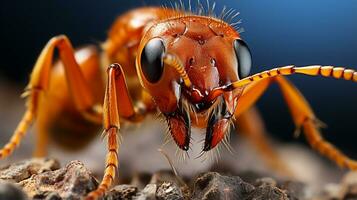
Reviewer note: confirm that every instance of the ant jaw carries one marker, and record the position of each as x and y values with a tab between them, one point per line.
180	131
215	134
218	123
217	126
179	123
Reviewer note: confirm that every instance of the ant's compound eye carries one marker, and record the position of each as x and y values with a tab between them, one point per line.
152	63
244	58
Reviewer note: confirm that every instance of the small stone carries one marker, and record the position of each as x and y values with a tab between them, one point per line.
345	190
349	184
213	186
169	191
9	191
265	182
168	176
295	190
25	169
47	196
252	176
267	192
71	182
122	192
148	193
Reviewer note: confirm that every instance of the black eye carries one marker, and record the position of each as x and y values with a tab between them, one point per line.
244	58
151	60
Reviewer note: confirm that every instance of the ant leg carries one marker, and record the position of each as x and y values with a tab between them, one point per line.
117	103
305	119
39	83
251	126
302	114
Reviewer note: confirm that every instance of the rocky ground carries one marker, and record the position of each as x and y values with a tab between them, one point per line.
45	179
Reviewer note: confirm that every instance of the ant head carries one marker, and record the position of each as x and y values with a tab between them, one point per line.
182	62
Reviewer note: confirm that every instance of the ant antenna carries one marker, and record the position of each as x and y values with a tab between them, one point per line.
174	62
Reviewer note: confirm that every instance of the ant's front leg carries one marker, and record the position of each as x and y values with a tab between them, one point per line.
117	102
38	87
301	112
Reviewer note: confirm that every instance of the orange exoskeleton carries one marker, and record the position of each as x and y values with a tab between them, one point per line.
192	68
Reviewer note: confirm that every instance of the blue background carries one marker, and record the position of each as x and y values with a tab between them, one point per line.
279	32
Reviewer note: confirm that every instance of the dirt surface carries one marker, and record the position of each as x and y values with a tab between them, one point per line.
45	179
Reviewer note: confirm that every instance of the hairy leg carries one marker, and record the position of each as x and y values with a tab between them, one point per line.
113	107
38	85
302	114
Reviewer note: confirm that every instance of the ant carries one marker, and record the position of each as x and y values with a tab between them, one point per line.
192	67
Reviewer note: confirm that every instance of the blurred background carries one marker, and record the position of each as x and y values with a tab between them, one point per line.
279	32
